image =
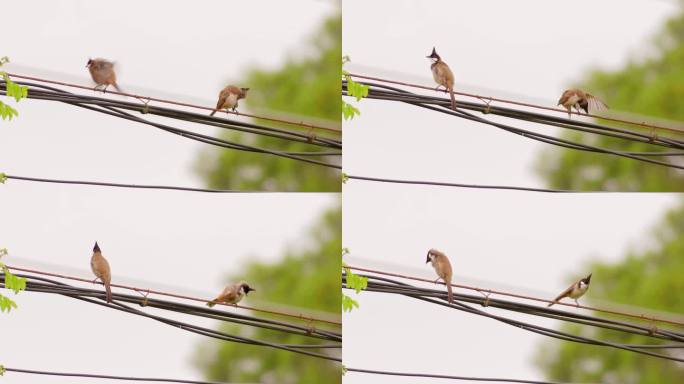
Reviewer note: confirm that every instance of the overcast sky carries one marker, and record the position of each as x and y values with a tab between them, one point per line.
181	241
527	242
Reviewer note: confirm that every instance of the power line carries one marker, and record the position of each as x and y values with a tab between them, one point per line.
461	185
443	107
439	297
147	291
43	285
488	292
113	108
135	186
110	377
149	99
489	99
435	376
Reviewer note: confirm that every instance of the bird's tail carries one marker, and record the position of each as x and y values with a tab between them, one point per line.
551	303
109	292
450	293
212	113
211	304
453	99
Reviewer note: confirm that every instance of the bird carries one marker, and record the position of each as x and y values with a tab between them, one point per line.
575	291
102	72
101	269
442	75
580	99
441	264
228	98
231	294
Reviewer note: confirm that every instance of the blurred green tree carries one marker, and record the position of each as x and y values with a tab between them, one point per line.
308	86
306	278
651	279
651	86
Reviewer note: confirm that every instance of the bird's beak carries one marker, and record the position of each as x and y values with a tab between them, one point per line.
428	258
588	278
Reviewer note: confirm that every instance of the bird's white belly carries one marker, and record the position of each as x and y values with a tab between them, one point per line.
572	100
230	101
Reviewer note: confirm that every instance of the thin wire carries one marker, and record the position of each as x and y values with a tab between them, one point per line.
147	291
110	377
519	296
508	101
435	376
461	185
118	185
142	97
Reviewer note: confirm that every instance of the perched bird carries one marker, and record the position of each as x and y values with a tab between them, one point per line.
101	269
102	72
228	98
231	294
580	99
441	264
575	291
442	75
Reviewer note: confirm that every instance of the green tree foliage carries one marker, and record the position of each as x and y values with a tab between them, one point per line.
652	86
652	279
13	90
306	278
307	86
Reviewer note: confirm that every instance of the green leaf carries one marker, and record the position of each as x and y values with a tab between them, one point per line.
3	178
348	303
6	304
345	251
13	282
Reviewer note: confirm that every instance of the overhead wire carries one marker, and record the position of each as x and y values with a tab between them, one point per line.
108	377
147	291
44	285
178	103
113	108
519	103
438	297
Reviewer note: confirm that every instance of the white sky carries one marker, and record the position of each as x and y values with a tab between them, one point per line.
530	242
187	240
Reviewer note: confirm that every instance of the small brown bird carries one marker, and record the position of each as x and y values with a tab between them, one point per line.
442	75
228	98
441	264
580	99
575	291
231	294
102	72
101	269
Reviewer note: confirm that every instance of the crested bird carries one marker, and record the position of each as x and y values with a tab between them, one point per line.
575	291
102	72
231	294
442	75
228	98
101	269
441	264
579	99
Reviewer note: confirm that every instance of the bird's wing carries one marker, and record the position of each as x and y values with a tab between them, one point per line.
564	293
596	103
222	99
564	97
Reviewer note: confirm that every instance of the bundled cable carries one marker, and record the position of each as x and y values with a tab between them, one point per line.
439	297
44	285
442	105
118	108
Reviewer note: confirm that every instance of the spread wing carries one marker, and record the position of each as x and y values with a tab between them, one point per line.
595	103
